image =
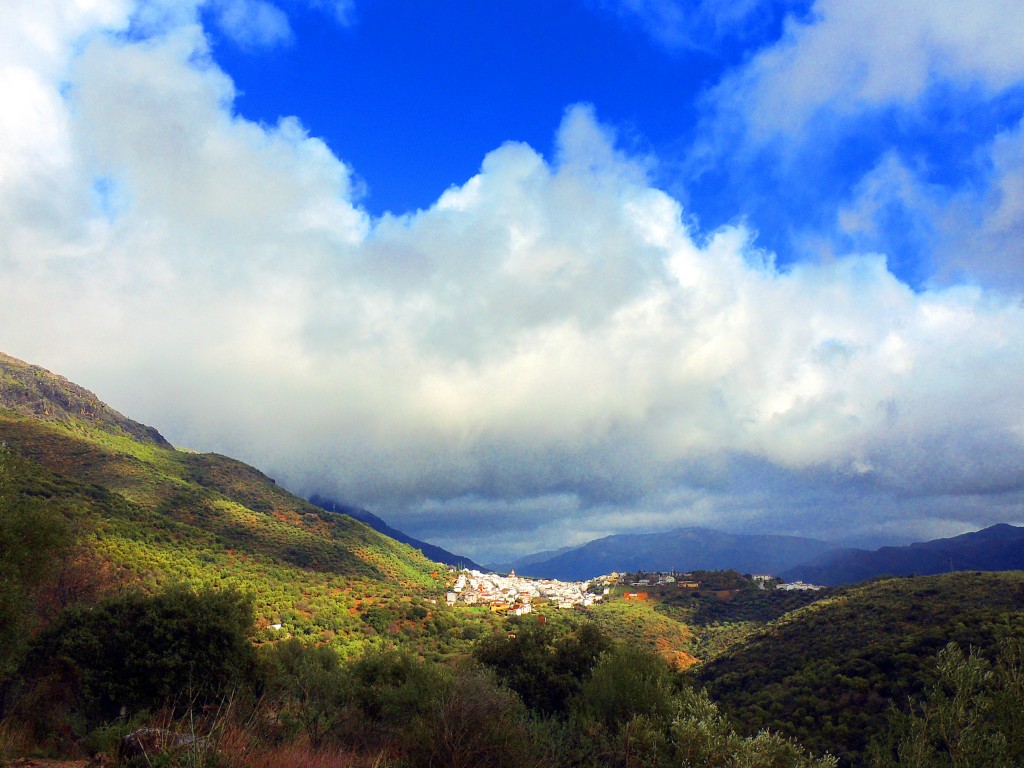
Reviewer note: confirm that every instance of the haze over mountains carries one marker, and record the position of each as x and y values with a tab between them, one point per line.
996	548
683	549
32	393
432	551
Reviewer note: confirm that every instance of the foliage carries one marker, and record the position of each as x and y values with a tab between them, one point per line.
635	711
474	723
149	516
544	666
642	623
135	652
628	682
971	716
826	674
33	536
307	686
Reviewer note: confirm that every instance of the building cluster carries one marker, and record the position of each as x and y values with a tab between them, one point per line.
516	595
801	586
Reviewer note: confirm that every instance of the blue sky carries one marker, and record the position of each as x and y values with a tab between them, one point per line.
514	275
413	97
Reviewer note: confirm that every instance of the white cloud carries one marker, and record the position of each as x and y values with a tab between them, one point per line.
545	331
851	56
976	229
252	23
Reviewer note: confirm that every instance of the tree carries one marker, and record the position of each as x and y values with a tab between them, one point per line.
544	666
139	652
972	715
33	533
308	687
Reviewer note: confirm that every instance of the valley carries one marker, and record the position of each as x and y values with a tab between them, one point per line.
338	635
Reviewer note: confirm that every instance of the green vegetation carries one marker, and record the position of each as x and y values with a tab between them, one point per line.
828	673
140	584
970	716
150	516
136	653
727	609
181	660
33	537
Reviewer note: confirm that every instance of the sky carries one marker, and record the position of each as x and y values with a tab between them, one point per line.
517	275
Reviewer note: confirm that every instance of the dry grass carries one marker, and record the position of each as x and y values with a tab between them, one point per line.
14	741
238	749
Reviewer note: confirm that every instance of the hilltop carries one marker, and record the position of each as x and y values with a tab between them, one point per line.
28	390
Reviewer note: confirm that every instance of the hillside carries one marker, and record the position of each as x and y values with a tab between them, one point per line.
432	551
827	673
997	548
28	390
146	514
684	549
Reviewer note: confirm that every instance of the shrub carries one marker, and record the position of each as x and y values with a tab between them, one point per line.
137	652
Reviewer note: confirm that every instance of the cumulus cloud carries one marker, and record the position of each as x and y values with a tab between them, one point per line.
900	117
548	342
849	56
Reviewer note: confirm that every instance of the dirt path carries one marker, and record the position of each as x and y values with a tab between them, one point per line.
32	762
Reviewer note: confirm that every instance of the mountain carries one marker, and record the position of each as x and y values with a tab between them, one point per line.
434	552
524	562
684	549
28	390
827	674
144	514
998	548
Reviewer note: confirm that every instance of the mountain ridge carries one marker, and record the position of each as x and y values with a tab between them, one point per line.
999	547
432	551
33	391
680	549
148	515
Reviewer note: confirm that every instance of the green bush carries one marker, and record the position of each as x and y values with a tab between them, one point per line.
307	687
178	648
973	715
543	665
474	723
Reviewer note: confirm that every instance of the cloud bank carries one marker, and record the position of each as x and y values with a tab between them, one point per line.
547	353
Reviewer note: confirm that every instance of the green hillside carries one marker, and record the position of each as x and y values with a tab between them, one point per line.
827	674
144	513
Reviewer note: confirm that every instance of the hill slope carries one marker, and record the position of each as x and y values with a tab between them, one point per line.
147	514
827	673
684	549
28	390
432	551
997	548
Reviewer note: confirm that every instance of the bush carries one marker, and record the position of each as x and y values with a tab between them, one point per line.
544	666
307	687
474	723
972	715
389	691
132	653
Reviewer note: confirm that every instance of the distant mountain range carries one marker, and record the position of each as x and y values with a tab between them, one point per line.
431	551
683	549
998	548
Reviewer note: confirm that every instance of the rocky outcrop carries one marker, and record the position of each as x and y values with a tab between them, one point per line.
29	390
